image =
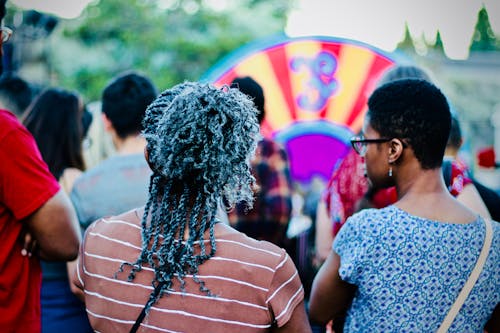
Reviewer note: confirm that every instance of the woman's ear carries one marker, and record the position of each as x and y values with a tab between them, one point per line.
395	150
146	156
108	126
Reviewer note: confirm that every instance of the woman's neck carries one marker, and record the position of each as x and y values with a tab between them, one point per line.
418	182
423	193
130	145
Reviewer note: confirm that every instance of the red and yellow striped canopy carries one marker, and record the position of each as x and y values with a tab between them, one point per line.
315	88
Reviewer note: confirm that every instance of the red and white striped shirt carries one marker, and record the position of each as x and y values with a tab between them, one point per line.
255	283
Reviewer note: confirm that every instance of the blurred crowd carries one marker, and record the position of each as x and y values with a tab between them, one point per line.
168	211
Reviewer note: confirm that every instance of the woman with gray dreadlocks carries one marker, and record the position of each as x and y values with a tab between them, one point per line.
172	266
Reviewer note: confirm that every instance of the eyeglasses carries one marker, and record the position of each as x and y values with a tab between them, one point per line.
360	144
6	33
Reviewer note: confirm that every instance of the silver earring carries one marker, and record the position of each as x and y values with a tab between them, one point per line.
390	171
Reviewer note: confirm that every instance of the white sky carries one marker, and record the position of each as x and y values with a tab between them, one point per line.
379	23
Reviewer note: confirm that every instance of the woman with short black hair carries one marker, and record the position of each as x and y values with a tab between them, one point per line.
400	268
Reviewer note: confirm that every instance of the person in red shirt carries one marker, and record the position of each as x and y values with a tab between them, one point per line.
37	220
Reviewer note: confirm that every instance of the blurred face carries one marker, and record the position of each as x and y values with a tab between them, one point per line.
376	157
5	34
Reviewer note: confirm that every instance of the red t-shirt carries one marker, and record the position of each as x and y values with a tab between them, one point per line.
25	185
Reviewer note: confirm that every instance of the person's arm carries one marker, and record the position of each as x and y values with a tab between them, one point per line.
67	181
330	295
54	227
286	298
72	266
34	197
324	237
76	273
470	197
298	322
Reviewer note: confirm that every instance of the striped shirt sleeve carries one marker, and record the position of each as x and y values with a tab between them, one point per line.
286	291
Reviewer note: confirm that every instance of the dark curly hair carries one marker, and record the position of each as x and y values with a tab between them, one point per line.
414	110
200	140
252	89
15	93
455	138
124	102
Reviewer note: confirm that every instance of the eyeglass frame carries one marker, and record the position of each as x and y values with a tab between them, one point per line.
361	140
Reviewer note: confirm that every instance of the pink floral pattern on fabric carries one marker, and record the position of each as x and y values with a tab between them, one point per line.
347	185
459	177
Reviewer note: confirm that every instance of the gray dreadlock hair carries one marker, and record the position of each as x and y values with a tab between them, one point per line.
200	140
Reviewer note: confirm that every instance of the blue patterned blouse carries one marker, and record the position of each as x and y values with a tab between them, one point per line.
409	271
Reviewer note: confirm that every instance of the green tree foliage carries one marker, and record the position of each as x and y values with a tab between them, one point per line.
484	38
168	40
407	43
438	45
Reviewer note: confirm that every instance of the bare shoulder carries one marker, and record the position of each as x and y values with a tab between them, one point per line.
471	198
443	208
72	173
68	178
